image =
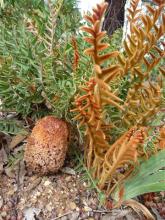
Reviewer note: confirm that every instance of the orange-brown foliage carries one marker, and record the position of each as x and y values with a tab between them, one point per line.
110	164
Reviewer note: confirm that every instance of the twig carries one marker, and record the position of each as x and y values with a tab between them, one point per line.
96	211
35	183
68	213
102	211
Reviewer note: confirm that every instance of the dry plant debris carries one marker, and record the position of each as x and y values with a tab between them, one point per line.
60	196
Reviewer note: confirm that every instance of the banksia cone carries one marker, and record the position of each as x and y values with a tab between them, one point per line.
47	145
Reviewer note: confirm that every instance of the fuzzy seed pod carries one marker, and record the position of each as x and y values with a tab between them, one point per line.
47	145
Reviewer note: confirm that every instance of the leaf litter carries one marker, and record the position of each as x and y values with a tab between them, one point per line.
63	196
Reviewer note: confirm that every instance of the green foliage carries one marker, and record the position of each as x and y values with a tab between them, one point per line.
149	178
12	127
69	18
36	57
14	159
158	120
115	40
149	144
37	78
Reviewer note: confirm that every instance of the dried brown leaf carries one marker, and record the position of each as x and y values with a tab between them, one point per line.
139	208
16	140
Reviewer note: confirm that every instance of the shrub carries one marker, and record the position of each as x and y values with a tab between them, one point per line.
36	56
101	105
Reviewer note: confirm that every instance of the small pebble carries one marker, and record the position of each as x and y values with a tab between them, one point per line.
49	207
68	178
77	209
87	209
3	214
85	184
72	206
38	193
47	183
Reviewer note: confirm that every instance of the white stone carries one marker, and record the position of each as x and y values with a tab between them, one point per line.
47	183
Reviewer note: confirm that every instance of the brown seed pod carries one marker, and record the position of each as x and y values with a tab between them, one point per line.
47	145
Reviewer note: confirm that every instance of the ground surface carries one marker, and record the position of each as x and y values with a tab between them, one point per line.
62	196
51	197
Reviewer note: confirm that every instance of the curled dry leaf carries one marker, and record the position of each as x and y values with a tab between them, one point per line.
31	213
16	140
118	214
68	170
139	208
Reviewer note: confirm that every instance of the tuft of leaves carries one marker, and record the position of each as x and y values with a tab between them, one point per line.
150	177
